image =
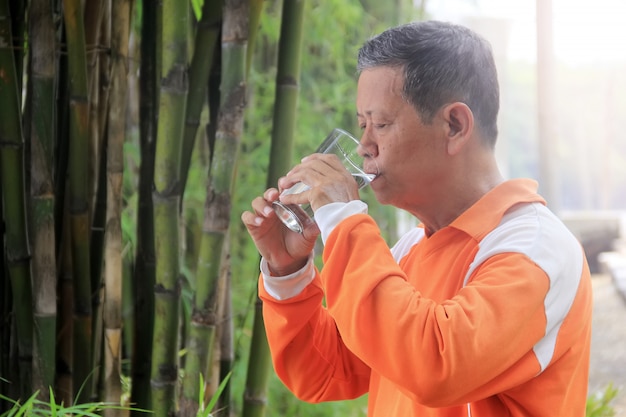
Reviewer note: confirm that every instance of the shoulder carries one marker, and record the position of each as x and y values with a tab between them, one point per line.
406	242
532	230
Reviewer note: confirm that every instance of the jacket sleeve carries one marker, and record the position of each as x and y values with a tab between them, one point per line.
307	351
472	346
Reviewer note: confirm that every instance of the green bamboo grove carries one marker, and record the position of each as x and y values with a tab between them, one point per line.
132	135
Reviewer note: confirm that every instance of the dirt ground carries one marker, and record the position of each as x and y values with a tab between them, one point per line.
608	342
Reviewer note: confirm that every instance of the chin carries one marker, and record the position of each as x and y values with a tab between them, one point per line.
379	193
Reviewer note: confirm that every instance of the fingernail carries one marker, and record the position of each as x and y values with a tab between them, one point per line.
267	211
258	221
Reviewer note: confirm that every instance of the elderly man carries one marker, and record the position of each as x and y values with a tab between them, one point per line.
482	310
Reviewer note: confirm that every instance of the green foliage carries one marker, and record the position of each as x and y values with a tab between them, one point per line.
206	411
196	5
34	407
326	100
327	91
599	405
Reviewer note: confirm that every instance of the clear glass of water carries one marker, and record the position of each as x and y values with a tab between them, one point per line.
347	148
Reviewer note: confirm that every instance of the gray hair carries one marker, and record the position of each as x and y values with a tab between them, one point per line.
442	63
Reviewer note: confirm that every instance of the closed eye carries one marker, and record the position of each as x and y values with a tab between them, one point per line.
363	125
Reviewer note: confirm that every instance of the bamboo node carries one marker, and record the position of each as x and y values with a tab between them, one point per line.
250	398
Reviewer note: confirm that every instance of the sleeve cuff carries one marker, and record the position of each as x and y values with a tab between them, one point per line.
329	216
288	286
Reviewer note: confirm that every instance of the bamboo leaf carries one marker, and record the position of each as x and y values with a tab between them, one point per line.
217	394
197	8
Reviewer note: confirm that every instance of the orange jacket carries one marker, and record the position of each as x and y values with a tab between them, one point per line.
490	316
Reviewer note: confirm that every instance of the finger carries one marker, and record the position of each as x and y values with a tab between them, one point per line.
311	230
322	163
271	194
292	178
262	207
251	220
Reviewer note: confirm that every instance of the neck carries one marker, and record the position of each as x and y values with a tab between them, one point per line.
458	196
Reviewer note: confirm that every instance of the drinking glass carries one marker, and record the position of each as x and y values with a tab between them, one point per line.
345	146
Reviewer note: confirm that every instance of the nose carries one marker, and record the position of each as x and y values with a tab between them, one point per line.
369	151
367	146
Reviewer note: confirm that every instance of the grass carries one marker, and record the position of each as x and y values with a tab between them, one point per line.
35	407
599	405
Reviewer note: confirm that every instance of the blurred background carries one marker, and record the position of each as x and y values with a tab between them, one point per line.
234	112
561	66
563	97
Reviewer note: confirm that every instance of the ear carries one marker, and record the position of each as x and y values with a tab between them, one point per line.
459	125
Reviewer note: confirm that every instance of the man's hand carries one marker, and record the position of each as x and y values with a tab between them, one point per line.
285	251
328	179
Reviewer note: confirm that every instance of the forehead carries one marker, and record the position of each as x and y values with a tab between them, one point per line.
378	89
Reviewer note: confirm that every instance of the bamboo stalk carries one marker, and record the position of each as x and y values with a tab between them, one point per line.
96	27
99	73
287	78
98	39
128	308
94	11
61	133
144	272
65	318
18	22
202	327
78	199
256	9
96	248
226	332
104	76
5	311
173	97
221	182
42	199
203	323
112	314
65	305
207	35
13	192
99	84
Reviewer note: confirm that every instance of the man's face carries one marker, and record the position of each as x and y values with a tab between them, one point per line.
410	155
